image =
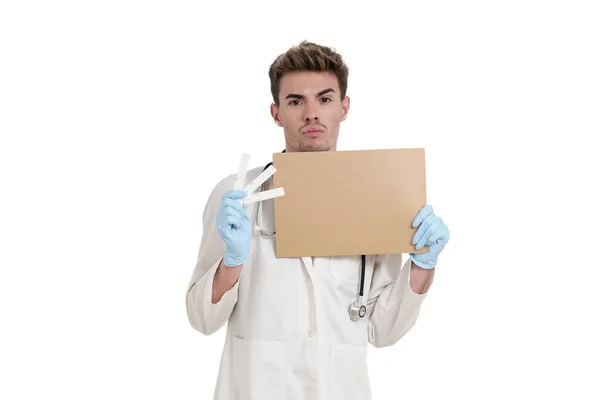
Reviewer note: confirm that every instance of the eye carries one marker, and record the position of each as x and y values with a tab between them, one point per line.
327	99
294	102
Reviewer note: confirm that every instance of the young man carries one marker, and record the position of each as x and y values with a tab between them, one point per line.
289	332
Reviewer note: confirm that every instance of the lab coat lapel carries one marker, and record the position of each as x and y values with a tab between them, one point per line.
308	262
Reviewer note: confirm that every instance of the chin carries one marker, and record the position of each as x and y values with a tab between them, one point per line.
314	148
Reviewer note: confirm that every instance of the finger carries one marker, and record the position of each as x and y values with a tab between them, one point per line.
434	250
421	215
427	234
444	234
234	205
234	194
234	221
444	239
232	212
226	214
422	228
440	236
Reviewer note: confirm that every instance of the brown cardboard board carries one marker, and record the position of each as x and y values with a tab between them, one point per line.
352	202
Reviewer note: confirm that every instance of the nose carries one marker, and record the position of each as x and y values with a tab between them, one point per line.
310	112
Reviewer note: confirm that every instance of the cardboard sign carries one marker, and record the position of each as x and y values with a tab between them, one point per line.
340	203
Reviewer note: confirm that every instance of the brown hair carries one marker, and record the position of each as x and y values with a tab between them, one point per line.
308	56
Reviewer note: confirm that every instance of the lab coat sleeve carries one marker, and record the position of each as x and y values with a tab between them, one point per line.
203	315
392	304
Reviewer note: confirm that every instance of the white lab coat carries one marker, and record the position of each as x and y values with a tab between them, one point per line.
289	335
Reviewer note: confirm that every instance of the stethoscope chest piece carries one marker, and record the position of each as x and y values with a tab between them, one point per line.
357	311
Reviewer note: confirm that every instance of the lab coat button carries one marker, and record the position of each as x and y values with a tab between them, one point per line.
311	333
312	389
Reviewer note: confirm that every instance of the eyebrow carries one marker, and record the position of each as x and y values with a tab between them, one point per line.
299	96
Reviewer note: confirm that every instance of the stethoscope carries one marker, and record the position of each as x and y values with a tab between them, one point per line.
357	309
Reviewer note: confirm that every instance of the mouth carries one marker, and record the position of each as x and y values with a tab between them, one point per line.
313	133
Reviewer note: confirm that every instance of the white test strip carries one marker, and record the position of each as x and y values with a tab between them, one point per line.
260	196
241	175
259	180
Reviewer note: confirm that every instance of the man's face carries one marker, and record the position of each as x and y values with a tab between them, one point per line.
310	111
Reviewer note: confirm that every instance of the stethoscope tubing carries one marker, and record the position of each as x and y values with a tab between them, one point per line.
357	309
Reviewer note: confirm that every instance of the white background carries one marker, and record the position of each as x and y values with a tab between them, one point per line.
119	117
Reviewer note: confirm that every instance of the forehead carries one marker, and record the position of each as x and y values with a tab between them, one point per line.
307	83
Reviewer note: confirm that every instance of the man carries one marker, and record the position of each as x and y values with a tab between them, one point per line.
289	333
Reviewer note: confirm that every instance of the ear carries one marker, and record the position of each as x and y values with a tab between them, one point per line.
275	114
345	107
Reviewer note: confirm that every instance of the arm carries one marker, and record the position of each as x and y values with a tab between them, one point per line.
396	294
224	280
393	304
419	278
213	288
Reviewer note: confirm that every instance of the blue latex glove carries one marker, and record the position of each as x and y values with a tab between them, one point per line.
432	233
234	227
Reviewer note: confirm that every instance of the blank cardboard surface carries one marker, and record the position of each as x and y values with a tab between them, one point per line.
354	202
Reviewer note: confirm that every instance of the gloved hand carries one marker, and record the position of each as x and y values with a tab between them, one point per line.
432	233
234	227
